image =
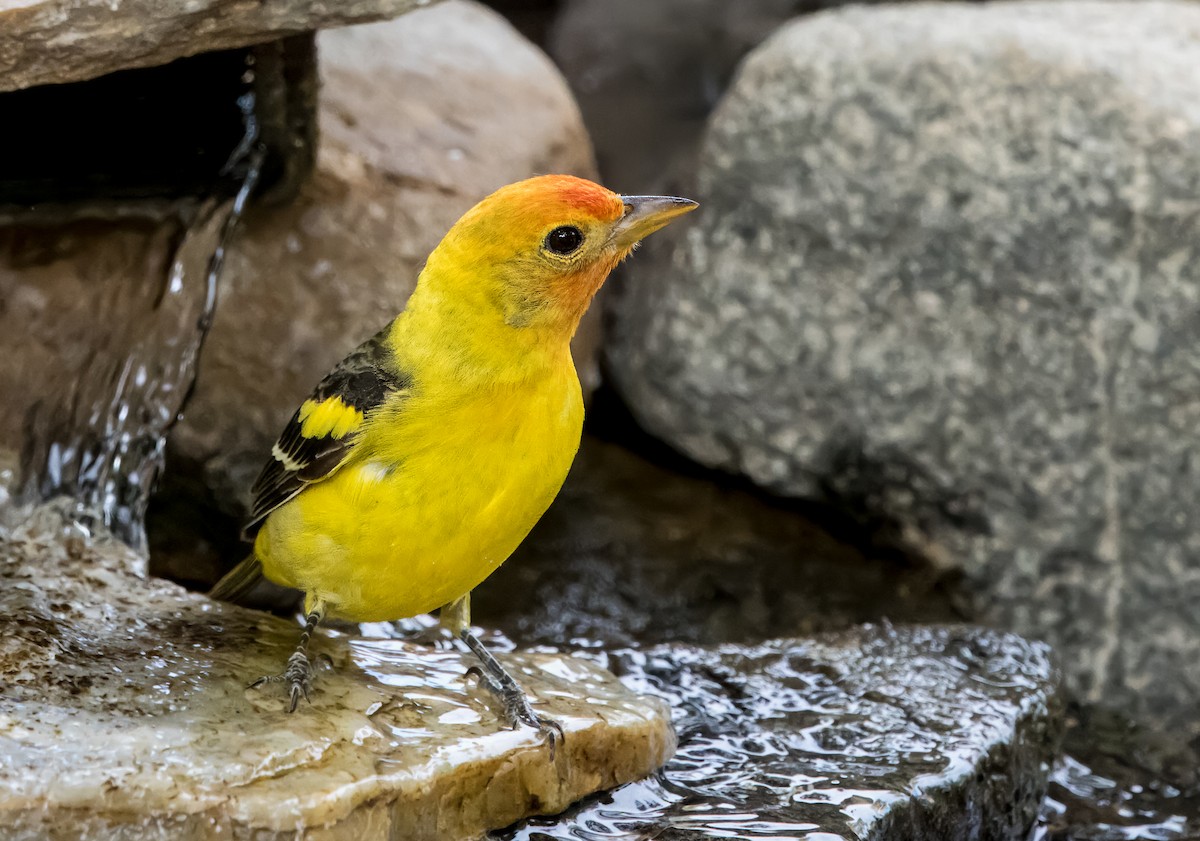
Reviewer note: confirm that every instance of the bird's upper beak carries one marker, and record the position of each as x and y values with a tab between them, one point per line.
646	214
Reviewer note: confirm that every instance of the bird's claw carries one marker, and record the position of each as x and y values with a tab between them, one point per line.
552	734
518	711
501	684
298	677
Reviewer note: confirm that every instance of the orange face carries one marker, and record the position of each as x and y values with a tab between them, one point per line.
540	249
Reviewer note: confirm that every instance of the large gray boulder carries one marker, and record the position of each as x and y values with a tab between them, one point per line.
946	272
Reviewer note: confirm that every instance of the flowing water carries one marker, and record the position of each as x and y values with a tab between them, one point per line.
809	742
738	775
121	348
801	743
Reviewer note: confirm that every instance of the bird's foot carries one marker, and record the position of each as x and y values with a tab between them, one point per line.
517	710
457	617
298	676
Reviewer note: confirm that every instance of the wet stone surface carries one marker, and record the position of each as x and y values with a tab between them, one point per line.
125	713
902	733
1119	782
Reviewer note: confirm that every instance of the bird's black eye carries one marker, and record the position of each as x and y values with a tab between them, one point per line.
564	240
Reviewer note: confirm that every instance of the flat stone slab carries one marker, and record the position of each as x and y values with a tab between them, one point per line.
914	733
50	41
125	713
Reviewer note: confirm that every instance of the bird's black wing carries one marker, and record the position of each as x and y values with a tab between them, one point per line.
322	431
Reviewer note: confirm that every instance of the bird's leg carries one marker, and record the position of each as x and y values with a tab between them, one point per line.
299	671
456	616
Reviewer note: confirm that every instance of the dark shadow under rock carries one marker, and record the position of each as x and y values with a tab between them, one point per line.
631	551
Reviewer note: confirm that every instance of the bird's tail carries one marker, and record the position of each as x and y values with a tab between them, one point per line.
239	581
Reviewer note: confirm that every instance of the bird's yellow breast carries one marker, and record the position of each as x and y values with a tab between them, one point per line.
439	492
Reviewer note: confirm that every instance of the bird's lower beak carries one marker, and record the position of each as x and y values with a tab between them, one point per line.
646	214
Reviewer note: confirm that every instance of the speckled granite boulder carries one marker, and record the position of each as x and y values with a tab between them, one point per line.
125	713
946	271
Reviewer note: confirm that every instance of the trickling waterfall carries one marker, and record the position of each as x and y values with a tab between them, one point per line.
98	431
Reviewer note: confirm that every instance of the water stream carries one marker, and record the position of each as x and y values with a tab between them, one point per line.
125	348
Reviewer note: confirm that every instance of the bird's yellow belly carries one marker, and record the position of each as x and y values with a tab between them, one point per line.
439	505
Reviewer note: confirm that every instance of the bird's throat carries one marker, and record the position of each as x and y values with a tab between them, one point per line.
473	350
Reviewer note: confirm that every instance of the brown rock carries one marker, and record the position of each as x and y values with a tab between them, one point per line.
125	713
420	117
51	41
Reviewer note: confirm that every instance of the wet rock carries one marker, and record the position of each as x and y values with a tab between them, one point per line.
42	42
1117	781
420	118
125	713
883	733
946	273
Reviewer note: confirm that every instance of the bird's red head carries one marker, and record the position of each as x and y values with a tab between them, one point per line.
539	250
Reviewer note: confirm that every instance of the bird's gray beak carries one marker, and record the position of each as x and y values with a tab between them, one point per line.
646	214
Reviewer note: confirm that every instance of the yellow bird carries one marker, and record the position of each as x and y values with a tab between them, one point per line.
421	461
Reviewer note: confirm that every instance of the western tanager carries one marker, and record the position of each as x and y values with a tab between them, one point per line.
421	461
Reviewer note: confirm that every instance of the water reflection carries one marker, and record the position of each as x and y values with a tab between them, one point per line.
1086	805
782	764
